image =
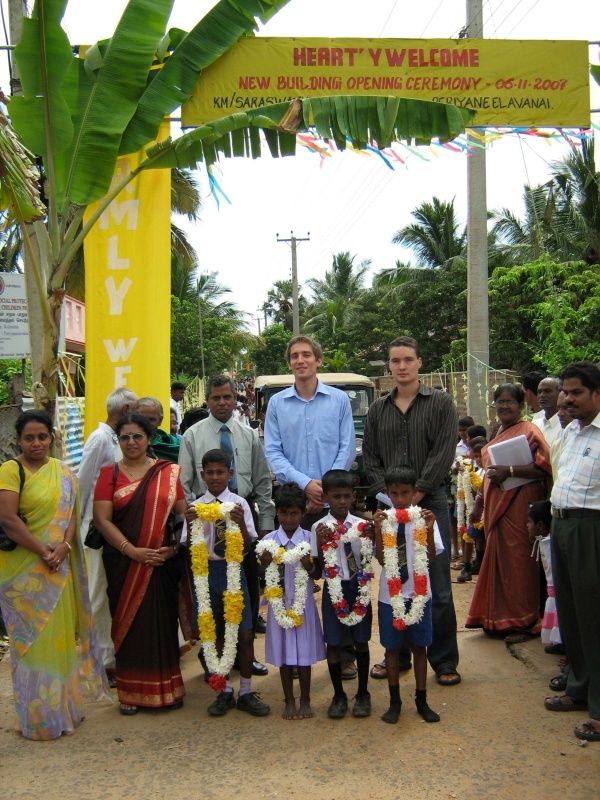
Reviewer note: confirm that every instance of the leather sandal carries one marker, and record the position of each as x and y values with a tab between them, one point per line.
564	702
558	683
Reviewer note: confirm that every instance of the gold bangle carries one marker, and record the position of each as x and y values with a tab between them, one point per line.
123	545
67	543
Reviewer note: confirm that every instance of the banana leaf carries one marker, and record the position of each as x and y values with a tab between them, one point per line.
19	179
355	120
216	32
43	57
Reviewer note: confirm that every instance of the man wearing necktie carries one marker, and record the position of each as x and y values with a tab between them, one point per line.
251	477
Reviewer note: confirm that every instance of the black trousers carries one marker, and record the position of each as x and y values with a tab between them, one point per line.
576	571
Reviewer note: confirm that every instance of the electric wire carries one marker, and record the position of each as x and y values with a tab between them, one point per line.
526	14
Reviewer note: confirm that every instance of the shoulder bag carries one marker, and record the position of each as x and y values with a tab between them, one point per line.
6	543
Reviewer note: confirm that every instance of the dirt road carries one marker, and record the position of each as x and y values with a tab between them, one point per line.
495	740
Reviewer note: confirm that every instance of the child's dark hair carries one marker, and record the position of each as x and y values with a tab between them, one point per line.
466	422
541	512
216	456
290	495
475	431
477	444
397	476
337	479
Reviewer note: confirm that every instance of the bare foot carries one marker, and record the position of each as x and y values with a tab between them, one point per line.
305	711
290	711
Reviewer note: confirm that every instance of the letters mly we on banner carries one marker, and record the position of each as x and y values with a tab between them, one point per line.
506	82
127	291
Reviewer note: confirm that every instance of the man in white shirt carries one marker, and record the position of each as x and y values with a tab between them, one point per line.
101	449
251	479
575	539
177	392
548	423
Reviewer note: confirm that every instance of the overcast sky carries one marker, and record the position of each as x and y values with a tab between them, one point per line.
350	201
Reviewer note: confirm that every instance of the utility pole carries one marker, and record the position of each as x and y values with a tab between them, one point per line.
258	319
293	240
478	345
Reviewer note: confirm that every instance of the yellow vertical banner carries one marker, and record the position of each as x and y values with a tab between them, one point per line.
128	291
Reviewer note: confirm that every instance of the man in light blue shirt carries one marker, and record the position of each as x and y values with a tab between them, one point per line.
309	427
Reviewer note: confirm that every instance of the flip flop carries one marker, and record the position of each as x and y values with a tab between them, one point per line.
564	702
588	732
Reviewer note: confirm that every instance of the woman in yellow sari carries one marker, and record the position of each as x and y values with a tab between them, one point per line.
43	588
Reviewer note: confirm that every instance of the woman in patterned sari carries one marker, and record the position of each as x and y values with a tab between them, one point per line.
506	597
132	503
43	588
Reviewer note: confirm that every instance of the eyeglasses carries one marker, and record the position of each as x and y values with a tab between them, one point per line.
501	403
137	437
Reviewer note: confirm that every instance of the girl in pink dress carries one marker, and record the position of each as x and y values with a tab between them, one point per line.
298	647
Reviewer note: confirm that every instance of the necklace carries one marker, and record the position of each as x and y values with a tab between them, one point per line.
133	472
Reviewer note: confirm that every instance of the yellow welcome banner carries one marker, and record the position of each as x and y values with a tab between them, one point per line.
128	291
506	82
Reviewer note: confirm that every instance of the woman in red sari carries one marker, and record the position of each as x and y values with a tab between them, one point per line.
132	503
506	597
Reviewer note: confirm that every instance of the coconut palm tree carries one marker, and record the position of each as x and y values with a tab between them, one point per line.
279	306
333	297
435	237
578	183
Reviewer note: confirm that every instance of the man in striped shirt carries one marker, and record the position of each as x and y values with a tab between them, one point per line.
575	539
416	426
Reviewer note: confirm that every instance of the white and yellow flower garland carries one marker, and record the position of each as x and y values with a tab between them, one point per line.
468	484
233	598
286	617
331	572
401	618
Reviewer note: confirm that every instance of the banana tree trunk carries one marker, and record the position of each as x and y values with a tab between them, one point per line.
44	311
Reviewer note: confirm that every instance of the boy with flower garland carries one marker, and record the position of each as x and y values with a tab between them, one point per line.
216	474
302	646
393	634
338	493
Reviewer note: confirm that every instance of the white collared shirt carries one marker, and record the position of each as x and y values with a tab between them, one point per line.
409	586
251	469
577	474
100	450
342	559
209	528
550	428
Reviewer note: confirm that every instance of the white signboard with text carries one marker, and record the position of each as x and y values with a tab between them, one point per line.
14	325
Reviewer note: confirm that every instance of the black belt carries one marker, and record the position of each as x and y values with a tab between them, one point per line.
575	513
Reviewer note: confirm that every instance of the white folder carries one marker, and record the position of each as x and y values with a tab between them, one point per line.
512	453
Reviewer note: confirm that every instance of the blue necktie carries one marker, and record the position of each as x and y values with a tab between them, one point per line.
401	545
227	446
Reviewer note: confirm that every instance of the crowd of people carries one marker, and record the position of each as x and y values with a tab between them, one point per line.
171	536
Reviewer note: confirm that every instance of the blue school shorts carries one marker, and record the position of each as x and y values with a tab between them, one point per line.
335	632
217	584
419	635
